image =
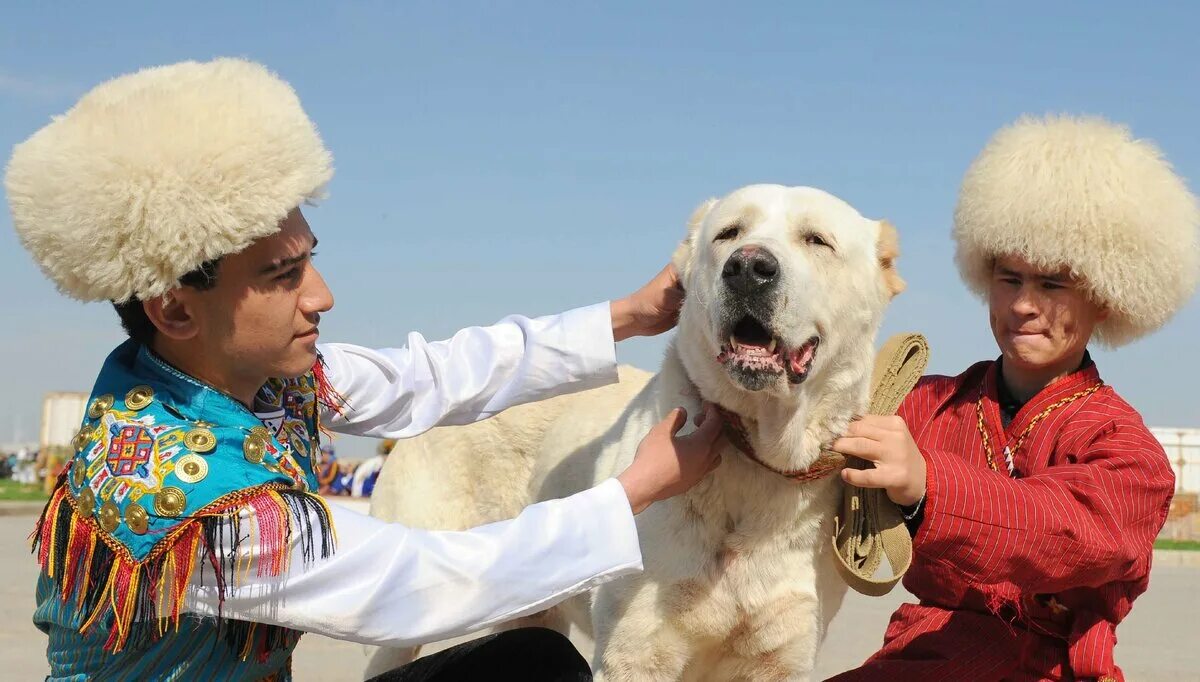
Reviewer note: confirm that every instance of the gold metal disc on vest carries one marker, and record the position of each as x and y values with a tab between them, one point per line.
191	468
110	516
78	471
170	502
254	448
300	447
136	518
139	397
81	439
261	432
100	405
85	504
200	440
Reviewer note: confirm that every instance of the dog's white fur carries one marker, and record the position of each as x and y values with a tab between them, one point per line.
737	582
1082	193
153	173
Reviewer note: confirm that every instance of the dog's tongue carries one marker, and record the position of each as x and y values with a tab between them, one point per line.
800	359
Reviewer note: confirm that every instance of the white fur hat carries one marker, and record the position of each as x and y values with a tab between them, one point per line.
1082	193
154	173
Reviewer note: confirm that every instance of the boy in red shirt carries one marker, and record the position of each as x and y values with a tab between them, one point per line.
1033	491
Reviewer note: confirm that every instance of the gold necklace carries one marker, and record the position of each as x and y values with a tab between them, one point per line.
1011	451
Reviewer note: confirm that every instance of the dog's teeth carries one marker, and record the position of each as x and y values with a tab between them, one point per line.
771	347
733	345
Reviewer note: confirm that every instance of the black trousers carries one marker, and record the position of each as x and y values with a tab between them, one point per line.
527	654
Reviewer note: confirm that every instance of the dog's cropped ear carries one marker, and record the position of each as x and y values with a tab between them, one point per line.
888	250
682	258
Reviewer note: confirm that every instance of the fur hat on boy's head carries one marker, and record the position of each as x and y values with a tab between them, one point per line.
1082	193
154	173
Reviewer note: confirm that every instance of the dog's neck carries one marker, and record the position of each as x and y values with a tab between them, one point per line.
742	497
788	435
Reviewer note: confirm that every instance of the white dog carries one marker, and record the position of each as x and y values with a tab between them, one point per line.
786	288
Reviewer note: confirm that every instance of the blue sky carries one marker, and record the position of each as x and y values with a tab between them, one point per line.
530	157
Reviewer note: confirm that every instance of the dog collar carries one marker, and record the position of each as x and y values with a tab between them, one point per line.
739	436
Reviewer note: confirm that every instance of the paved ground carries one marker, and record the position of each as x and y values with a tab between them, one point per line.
1159	641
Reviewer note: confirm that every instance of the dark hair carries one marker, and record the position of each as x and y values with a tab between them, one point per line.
133	316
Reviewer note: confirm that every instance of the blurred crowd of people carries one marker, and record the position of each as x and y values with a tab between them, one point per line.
356	479
23	466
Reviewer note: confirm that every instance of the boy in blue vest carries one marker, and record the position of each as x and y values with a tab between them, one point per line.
185	539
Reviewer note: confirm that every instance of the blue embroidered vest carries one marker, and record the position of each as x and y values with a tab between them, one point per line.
163	465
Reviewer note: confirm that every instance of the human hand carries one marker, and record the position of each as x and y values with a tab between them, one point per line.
666	464
886	442
651	310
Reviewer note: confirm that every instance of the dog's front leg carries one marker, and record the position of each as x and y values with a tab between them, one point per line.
778	641
633	643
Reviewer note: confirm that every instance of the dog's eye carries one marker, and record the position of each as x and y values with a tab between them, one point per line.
728	233
814	239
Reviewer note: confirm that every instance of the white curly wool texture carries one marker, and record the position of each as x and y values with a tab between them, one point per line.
1081	192
151	174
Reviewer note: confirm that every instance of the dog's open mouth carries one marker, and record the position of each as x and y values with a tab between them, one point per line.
751	347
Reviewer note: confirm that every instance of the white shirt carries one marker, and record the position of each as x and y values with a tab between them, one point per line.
395	586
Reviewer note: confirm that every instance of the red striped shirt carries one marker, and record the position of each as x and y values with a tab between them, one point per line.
1025	578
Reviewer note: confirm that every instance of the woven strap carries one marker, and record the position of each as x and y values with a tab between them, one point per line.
870	526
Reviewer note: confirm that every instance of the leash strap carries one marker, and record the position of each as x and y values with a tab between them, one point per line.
870	526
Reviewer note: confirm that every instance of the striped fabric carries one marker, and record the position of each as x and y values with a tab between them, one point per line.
1025	577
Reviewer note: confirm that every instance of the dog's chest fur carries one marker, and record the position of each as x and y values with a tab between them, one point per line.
738	552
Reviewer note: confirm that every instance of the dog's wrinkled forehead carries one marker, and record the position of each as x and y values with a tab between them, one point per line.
772	208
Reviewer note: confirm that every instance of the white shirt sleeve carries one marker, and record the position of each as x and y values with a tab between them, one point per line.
389	585
401	392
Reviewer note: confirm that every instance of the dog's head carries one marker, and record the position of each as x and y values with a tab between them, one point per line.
783	283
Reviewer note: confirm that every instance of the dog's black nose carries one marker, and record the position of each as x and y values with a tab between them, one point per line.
750	269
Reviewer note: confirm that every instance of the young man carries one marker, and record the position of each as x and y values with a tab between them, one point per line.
1033	490
185	540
